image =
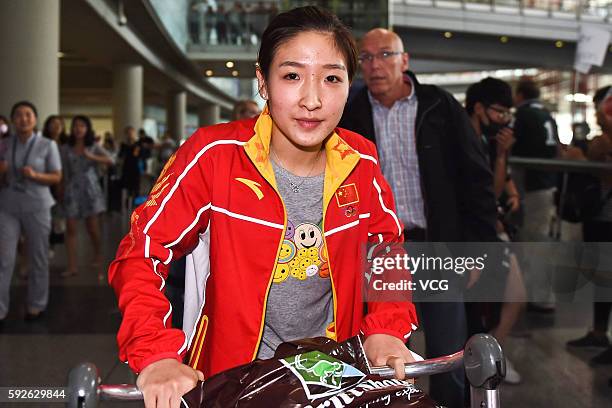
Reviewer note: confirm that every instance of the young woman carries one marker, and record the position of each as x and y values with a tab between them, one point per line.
289	201
55	129
29	164
83	197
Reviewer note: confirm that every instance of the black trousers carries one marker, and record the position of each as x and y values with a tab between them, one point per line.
599	231
445	328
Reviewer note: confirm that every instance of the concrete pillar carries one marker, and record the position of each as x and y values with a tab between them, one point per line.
209	114
127	97
176	115
29	46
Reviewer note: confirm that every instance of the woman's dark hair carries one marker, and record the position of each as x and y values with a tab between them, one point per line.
287	25
47	133
27	104
89	134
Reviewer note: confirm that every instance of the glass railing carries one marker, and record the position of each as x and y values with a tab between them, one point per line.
599	9
217	25
213	23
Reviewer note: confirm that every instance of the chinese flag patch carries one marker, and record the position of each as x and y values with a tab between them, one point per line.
347	194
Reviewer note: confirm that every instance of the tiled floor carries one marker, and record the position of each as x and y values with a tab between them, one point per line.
82	319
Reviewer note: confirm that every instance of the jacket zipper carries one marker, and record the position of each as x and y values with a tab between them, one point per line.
331	277
265	305
416	135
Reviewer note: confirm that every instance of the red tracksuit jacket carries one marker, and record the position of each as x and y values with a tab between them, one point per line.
222	179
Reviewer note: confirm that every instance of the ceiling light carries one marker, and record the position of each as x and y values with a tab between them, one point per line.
559	44
235	73
209	72
503	39
229	64
448	34
60	54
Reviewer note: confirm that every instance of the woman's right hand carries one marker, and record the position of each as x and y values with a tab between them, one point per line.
164	382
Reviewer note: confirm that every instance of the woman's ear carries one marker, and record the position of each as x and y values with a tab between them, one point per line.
261	84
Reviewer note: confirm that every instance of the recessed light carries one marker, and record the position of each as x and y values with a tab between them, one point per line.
235	73
209	72
448	34
559	44
229	64
503	39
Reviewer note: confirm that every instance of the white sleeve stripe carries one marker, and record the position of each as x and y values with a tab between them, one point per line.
367	157
184	173
341	228
385	209
362	216
190	227
163	281
147	246
170	254
247	218
168	314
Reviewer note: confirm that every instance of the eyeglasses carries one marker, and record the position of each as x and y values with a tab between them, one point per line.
381	55
503	114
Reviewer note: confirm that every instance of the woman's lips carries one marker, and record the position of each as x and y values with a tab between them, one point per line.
308	123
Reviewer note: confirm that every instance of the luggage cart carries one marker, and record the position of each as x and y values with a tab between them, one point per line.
482	358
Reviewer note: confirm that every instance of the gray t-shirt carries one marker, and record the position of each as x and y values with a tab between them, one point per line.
19	194
300	301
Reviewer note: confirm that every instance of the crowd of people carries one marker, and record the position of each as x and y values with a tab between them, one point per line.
223	22
52	179
406	159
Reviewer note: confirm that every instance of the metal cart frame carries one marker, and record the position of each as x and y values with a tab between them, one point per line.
482	358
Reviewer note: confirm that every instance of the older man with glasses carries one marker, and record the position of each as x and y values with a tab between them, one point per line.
437	169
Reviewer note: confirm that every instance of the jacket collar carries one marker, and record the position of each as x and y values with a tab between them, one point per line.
425	94
341	158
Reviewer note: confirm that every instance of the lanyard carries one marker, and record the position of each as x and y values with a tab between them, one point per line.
27	153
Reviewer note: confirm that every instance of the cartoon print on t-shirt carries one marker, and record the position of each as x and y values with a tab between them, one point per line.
307	236
300	255
281	273
287	251
290	230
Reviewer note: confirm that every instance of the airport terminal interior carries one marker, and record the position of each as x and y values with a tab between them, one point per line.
144	75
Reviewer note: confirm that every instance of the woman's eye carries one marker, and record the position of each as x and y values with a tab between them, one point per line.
333	78
292	76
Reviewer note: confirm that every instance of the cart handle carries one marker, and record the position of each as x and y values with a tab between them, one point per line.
484	365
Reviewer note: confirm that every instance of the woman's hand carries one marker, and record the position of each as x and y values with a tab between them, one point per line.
384	349
164	382
28	172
